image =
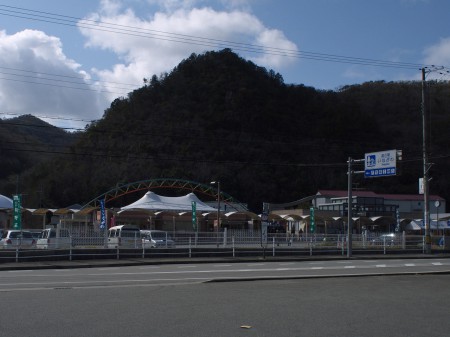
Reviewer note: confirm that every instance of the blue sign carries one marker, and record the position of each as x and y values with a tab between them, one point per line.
380	164
102	214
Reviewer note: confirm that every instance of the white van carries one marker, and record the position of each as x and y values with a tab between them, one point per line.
124	236
54	238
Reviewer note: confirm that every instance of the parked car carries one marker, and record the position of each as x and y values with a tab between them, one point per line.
389	239
36	234
12	239
53	238
156	239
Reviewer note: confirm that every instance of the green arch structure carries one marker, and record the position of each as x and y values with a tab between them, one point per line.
192	186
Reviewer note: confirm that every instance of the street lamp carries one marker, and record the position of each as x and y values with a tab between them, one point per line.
218	209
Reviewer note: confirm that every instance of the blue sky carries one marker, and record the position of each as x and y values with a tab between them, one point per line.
45	48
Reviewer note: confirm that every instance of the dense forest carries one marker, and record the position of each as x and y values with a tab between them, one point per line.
217	116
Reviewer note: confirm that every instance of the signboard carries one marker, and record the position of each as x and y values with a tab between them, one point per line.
380	164
421	186
194	215
17	206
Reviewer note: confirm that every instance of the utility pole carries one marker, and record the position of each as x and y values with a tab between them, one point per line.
426	165
350	173
426	212
350	206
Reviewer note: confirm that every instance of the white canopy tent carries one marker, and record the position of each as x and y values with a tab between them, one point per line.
154	202
5	202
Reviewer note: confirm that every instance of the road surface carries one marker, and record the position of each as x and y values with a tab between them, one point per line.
283	299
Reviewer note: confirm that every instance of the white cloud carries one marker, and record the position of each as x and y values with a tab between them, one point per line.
439	54
38	79
153	43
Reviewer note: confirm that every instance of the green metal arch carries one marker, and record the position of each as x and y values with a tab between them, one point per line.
193	186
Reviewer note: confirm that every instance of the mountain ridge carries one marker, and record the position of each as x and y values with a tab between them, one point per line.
217	116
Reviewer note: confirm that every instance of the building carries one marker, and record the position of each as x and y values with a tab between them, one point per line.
370	211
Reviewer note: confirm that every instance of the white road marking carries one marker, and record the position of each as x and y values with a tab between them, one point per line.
150	267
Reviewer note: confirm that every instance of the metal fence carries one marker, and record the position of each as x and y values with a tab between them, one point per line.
94	245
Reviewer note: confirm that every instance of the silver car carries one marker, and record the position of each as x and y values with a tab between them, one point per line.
156	239
389	239
12	239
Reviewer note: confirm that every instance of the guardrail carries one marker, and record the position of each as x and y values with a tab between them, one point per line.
222	244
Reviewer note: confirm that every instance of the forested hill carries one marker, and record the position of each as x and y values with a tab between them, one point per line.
26	141
218	117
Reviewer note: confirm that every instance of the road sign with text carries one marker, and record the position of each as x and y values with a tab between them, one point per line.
380	164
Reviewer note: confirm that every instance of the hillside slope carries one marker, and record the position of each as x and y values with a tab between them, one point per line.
218	117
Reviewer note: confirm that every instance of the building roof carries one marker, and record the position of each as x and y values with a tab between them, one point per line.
344	193
367	194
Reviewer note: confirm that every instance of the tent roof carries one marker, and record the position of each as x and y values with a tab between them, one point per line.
154	202
413	226
5	202
238	214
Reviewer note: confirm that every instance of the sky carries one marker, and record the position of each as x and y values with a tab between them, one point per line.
66	61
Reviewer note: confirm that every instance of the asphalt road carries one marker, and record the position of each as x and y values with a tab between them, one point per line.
211	272
181	300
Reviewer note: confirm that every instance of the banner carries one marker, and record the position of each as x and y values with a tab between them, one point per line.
194	215
102	215
17	205
264	224
312	220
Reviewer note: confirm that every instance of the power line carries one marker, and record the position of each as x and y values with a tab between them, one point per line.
93	81
48	117
173	158
187	134
128	156
60	86
190	39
